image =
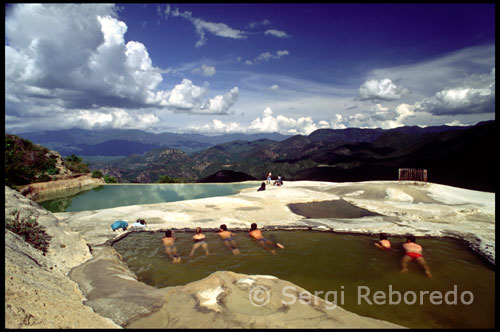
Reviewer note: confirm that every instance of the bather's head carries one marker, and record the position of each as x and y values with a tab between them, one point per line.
253	227
223	227
198	230
168	233
383	236
410	238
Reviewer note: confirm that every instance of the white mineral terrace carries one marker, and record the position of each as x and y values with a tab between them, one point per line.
420	209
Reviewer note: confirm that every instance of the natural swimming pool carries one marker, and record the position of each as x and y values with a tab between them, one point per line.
110	196
325	261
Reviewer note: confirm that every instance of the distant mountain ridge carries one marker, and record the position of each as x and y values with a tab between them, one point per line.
125	142
459	156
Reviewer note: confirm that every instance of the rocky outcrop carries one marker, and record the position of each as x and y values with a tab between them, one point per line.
67	248
41	190
61	168
112	290
38	293
226	299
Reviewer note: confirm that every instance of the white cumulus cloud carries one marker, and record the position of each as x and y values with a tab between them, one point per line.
221	104
384	89
63	59
476	94
185	95
267	123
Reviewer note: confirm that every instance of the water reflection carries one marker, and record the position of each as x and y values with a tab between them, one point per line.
109	196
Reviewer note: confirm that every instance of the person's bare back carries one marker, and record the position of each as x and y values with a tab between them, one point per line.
413	251
257	235
228	240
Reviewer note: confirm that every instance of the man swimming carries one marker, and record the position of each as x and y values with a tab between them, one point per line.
257	235
199	241
227	239
414	252
170	249
383	243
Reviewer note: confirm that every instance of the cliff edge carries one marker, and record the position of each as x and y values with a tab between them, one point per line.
38	293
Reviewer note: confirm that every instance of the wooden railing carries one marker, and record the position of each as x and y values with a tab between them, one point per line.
412	174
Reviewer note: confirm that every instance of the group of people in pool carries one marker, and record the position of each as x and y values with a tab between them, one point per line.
413	252
226	236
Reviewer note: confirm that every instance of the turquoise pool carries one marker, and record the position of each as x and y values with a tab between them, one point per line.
110	196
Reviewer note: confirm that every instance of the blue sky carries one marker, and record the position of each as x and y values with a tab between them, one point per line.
226	68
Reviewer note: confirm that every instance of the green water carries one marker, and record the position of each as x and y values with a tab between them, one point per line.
340	263
110	196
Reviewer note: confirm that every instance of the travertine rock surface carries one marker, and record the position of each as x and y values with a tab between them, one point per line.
102	292
227	299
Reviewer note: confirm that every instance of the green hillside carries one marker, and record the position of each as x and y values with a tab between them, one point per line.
27	163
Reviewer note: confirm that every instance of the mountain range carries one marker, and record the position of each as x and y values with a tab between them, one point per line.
459	156
125	142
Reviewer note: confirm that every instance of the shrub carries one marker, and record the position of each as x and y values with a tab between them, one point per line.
30	230
77	167
73	158
166	179
97	174
52	171
110	179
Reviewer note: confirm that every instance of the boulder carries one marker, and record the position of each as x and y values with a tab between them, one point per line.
226	299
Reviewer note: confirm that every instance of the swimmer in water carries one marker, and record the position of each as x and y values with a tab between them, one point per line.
383	243
170	248
414	252
199	241
227	239
257	235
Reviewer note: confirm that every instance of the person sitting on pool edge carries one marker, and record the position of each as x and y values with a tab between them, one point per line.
170	248
414	252
257	235
119	224
262	187
140	223
199	241
383	243
227	239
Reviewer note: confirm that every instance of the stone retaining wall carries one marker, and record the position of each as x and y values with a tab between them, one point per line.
38	191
